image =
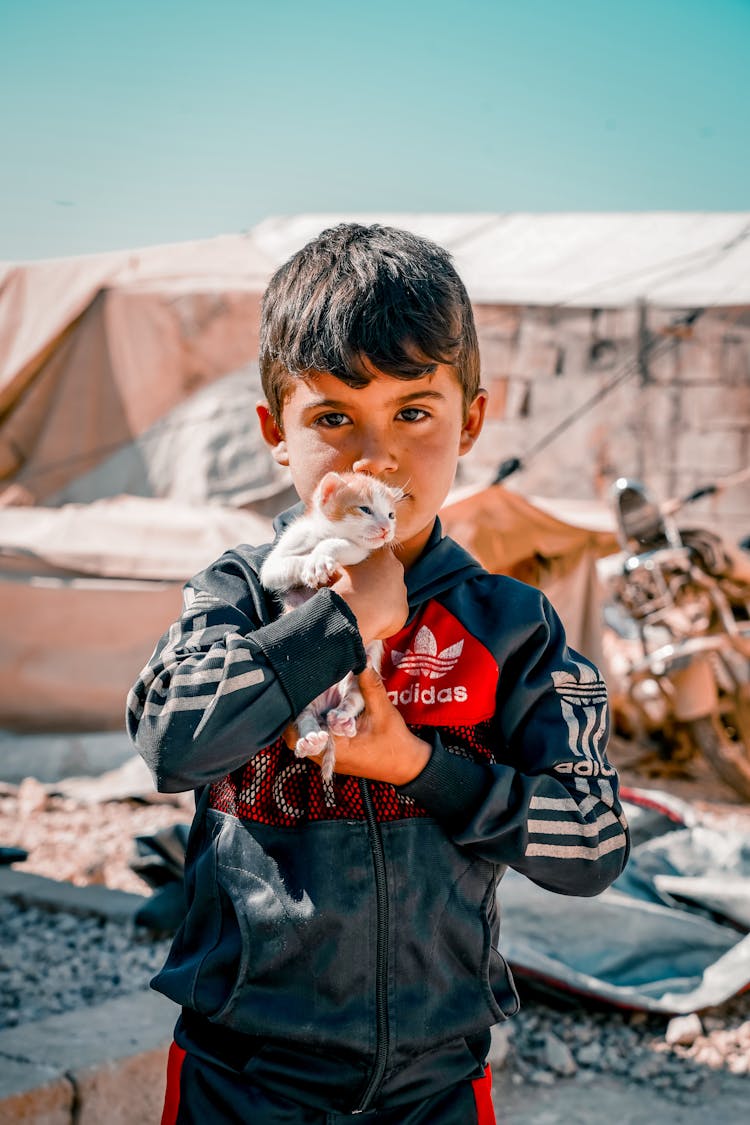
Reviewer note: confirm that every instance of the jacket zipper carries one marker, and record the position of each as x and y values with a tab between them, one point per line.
381	952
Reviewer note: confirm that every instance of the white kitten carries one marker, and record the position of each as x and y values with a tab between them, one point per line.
350	515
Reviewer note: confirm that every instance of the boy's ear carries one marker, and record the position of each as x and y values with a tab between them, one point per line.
272	433
473	423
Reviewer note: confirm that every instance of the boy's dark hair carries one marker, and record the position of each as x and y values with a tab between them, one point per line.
366	293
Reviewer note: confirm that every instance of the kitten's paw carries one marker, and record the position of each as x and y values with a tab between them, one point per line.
341	723
319	571
313	743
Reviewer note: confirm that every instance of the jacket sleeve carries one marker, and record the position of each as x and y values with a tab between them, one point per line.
548	805
226	679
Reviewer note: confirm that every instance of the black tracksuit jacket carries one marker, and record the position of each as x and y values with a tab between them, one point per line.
341	942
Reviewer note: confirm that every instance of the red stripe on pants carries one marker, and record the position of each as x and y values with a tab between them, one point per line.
172	1095
483	1099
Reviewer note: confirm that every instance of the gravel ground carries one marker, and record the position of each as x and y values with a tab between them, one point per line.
52	962
550	1041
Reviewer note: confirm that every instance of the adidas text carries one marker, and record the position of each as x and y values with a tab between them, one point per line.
429	696
585	767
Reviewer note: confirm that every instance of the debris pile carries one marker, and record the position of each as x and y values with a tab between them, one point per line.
677	1057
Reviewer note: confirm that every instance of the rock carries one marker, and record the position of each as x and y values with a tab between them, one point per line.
710	1056
32	797
688	1079
557	1056
590	1054
500	1045
647	1067
683	1030
543	1077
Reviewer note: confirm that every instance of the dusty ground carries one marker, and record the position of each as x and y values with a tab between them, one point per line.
81	842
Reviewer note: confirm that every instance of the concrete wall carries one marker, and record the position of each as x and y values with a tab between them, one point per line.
680	419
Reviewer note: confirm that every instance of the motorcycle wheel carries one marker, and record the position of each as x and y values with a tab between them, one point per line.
724	740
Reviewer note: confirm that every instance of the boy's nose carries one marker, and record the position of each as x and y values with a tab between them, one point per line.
374	458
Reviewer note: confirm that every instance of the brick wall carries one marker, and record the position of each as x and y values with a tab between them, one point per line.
682	418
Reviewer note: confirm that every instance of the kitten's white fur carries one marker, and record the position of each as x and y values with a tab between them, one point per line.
350	515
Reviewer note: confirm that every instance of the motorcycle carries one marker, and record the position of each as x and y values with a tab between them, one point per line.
682	600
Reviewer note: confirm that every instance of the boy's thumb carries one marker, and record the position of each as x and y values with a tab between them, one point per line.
370	683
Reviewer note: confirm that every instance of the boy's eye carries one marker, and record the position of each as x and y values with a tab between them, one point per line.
332	421
367	511
413	414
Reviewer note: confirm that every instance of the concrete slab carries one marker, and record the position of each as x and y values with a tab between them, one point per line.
113	1057
31	1092
124	1091
56	894
51	757
86	1037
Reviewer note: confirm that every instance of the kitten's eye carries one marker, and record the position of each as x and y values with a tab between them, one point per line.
391	515
367	511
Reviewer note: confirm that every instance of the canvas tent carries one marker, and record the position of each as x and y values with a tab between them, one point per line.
127	384
94	351
672	259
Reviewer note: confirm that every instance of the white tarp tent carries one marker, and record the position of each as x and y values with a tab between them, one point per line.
676	259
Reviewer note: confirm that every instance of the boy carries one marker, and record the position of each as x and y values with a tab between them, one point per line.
338	959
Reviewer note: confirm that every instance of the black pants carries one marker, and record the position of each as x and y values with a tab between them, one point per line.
201	1094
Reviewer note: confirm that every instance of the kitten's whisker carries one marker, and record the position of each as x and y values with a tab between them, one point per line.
404	490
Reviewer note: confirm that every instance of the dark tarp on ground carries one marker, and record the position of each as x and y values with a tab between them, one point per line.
671	935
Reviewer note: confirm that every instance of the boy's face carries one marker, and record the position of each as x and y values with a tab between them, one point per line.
407	432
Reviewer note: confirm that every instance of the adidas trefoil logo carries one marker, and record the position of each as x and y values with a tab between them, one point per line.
424	658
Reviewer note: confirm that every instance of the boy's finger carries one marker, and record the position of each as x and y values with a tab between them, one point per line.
371	684
290	736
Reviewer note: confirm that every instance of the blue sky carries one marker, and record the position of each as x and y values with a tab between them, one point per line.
127	124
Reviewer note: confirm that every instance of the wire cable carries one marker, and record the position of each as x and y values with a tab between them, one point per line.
631	367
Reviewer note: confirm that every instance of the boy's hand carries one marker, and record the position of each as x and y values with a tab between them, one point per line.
375	592
383	749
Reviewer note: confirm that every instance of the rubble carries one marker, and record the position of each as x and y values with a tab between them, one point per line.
684	1030
553	1041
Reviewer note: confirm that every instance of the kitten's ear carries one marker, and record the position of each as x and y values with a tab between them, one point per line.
328	487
